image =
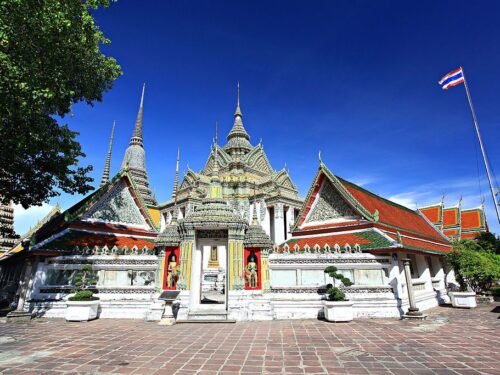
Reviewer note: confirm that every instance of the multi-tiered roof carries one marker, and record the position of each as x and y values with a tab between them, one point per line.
240	165
455	222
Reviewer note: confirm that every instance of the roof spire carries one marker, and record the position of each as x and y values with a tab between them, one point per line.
105	173
238	137
176	179
215	189
137	136
238	110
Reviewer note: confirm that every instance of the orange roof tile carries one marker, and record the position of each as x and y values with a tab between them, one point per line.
413	243
392	213
450	232
450	217
432	213
471	219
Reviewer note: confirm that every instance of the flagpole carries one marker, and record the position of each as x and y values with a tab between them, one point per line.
485	160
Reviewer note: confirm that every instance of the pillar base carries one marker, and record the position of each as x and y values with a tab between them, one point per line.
19	317
414	314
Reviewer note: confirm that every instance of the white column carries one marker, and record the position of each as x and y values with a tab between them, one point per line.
266	223
424	271
413	309
289	221
194	294
163	221
279	223
396	276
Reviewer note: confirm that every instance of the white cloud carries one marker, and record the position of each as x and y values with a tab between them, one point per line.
408	199
26	218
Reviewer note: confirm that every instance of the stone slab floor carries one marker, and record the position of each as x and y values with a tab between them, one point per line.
451	341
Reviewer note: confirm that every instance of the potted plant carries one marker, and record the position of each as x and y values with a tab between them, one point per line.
336	307
83	305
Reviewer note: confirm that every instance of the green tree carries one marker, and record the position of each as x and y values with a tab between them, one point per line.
474	267
334	293
50	59
489	242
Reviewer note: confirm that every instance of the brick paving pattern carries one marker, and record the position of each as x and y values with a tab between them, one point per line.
450	341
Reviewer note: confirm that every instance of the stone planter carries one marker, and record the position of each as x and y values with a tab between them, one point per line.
81	311
338	311
463	299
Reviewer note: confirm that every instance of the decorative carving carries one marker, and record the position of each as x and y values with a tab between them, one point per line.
316	290
117	206
317	260
329	205
220	233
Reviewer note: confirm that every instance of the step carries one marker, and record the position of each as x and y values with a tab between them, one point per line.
207	315
196	321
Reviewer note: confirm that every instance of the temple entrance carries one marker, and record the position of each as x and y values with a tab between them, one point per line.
209	273
213	275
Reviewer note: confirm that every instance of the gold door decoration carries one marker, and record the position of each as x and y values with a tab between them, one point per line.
213	262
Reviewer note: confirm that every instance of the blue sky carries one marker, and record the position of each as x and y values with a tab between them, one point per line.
354	79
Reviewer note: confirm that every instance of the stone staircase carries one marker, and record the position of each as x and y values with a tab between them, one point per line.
208	315
260	310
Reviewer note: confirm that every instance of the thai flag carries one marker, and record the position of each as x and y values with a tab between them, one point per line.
451	79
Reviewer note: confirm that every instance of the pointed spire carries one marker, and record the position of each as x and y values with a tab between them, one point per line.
107	164
137	136
238	137
238	109
215	189
176	179
134	159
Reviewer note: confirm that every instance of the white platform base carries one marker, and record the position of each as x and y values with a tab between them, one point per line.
338	311
463	299
81	311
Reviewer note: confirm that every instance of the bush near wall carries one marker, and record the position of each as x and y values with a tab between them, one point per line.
475	268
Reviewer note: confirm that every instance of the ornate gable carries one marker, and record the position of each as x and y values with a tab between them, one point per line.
329	205
117	206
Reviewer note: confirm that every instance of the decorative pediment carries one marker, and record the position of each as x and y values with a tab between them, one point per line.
257	160
117	206
222	158
328	205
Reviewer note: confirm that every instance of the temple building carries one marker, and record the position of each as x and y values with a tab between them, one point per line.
455	222
241	166
7	239
235	242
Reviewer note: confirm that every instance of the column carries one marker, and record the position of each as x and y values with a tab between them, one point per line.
413	309
236	265
160	270
264	264
266	223
279	223
26	282
185	265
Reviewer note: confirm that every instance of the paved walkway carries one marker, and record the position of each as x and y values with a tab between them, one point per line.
451	341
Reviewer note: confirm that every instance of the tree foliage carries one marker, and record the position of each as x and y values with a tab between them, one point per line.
489	242
85	278
475	267
50	59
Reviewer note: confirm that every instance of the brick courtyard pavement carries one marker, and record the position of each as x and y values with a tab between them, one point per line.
451	341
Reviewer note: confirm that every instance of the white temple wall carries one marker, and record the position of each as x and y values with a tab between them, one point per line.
126	285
